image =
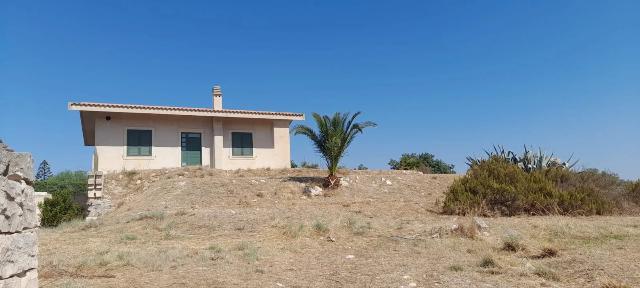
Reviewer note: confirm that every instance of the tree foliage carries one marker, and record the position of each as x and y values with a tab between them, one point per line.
44	171
424	162
332	138
75	182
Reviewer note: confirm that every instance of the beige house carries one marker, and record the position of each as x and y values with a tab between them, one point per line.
135	137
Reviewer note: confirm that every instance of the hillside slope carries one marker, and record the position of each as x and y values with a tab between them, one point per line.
210	228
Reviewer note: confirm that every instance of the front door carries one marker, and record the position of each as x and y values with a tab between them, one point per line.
191	146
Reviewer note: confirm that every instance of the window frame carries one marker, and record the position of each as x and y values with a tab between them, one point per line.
126	144
253	153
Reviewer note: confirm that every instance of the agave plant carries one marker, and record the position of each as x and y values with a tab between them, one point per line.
529	161
333	137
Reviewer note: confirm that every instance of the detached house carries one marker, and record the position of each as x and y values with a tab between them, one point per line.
134	137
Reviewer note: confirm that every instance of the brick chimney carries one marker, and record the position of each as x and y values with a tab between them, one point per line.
217	97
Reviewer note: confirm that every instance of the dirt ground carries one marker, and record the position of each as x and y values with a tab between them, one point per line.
209	228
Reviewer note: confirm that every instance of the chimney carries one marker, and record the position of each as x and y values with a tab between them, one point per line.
217	97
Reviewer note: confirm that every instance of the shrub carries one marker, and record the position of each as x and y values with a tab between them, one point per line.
546	273
74	182
423	162
487	262
512	243
59	208
293	164
308	165
455	268
496	186
320	227
529	161
547	252
362	167
634	192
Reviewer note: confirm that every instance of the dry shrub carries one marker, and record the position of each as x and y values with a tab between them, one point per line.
547	252
546	273
498	187
614	284
293	230
512	243
465	230
456	268
488	262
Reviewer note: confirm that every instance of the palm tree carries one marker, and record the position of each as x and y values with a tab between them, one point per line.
332	139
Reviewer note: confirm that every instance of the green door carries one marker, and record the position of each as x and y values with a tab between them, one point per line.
191	148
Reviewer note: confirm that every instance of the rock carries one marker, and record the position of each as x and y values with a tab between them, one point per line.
413	284
313	190
18	210
331	239
481	224
18	253
20	163
25	280
529	268
344	183
350	257
388	182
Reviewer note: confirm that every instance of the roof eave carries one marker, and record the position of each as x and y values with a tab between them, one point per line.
211	113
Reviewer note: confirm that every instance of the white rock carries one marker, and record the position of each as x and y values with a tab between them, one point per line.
481	224
388	182
350	257
313	190
412	284
18	253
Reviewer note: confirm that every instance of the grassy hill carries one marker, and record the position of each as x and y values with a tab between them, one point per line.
209	228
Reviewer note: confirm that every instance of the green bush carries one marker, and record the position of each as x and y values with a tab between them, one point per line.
423	162
75	182
59	208
496	186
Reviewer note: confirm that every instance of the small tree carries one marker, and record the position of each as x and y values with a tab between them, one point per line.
44	171
333	137
362	167
424	162
293	164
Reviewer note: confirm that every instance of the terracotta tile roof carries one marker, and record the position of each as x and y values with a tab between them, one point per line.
181	109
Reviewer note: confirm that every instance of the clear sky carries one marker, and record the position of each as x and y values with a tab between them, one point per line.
446	77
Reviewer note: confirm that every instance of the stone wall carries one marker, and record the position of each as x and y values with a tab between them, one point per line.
18	220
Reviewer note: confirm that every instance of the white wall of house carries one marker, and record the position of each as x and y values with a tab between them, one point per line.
271	146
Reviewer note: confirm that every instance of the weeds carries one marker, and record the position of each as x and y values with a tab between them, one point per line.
455	268
512	243
358	227
546	273
320	227
129	237
487	262
249	251
293	230
152	215
547	252
463	230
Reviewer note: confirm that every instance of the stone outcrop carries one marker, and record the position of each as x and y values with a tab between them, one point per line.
18	220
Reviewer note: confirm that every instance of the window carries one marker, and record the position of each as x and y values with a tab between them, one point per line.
241	144
138	142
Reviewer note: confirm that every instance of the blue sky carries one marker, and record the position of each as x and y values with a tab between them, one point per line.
446	77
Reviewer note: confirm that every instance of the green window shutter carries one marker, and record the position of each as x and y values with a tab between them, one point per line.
139	142
241	144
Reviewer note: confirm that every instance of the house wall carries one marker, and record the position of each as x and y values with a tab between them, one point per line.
270	137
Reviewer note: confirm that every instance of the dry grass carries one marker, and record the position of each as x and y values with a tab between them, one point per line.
210	228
